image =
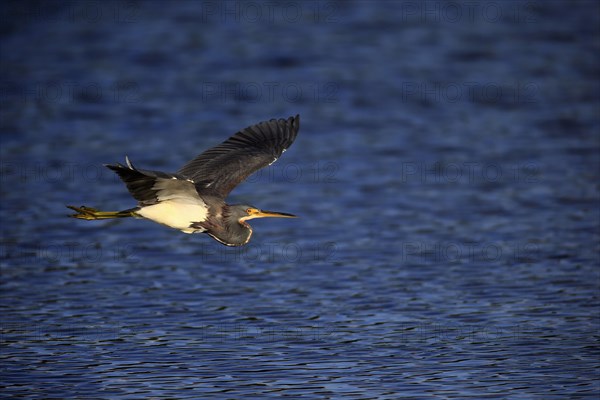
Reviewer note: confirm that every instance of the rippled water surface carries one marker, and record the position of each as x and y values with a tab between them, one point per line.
446	174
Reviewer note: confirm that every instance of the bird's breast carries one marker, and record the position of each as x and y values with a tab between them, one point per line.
176	214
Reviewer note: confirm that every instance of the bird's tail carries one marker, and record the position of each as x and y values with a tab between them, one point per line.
91	213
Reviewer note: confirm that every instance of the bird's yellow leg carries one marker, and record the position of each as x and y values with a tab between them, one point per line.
89	213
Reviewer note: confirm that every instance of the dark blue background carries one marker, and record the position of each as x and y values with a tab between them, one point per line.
446	175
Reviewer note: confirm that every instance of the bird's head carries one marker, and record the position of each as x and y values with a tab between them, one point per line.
244	212
237	232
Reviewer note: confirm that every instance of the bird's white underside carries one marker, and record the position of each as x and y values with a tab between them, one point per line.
178	207
176	214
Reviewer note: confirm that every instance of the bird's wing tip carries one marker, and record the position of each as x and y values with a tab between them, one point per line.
295	121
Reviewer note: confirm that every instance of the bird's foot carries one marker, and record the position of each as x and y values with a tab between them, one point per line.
89	213
84	212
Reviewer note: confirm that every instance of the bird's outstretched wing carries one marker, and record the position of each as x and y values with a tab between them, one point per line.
220	169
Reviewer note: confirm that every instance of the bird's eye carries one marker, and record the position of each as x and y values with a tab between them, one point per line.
248	210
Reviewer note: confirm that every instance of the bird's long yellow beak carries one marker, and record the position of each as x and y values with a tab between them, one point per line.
275	214
256	213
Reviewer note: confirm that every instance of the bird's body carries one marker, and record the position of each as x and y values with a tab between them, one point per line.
177	214
192	200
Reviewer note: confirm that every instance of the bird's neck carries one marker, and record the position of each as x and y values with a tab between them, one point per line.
236	233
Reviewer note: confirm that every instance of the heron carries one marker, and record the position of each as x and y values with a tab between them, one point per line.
192	200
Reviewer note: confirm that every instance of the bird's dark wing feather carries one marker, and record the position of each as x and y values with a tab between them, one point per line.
220	169
151	187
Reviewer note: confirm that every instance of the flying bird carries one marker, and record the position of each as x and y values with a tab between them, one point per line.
193	199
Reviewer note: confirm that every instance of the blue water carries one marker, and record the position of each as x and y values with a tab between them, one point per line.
446	174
